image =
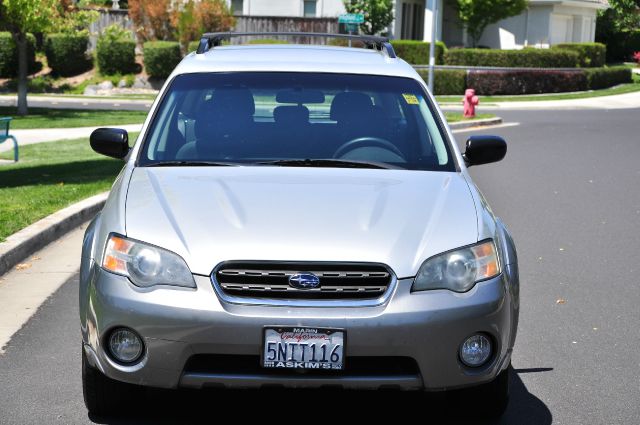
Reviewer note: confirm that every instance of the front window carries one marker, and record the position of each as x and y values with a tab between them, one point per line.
320	119
309	7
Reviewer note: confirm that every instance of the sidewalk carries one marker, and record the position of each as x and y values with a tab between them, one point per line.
619	101
62	102
38	135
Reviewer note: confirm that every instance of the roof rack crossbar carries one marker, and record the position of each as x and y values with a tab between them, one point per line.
213	39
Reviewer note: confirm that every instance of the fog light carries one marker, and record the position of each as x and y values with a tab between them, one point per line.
476	350
125	345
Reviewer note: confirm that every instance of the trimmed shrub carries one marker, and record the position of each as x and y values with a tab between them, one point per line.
447	81
161	57
602	78
592	55
192	46
417	52
525	58
622	46
116	51
492	82
9	55
67	53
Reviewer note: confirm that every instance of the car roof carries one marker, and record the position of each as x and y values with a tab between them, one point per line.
295	58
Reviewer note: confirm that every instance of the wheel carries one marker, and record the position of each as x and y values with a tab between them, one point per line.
367	141
102	395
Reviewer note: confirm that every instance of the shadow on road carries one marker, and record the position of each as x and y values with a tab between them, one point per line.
208	406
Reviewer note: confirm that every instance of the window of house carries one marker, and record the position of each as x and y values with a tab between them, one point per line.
236	6
309	8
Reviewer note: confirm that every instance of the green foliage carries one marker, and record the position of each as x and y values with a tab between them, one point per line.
77	22
475	15
9	55
161	57
197	17
192	46
23	16
621	46
619	28
417	52
39	84
591	54
67	53
447	81
601	78
525	58
116	51
266	41
378	14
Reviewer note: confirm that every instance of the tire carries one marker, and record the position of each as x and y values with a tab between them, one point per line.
493	397
103	395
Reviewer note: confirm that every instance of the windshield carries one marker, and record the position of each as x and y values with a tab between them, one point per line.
296	119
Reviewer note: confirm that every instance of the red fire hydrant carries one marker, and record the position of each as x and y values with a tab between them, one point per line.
470	101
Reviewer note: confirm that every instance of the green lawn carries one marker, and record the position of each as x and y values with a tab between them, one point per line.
621	89
457	116
50	176
62	118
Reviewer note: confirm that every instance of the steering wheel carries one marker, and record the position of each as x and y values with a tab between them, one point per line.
367	141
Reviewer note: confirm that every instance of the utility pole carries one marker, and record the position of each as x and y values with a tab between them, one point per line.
432	45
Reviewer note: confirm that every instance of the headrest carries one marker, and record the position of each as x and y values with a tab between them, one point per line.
348	104
297	114
234	101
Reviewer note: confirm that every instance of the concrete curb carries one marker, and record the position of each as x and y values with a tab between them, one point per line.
24	243
475	123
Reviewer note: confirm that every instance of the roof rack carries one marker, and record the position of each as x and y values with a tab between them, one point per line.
213	39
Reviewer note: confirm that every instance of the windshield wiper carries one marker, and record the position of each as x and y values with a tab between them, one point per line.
339	163
192	164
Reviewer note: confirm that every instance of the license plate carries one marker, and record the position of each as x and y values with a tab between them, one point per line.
303	348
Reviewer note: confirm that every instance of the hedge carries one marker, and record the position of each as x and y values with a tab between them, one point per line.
535	81
417	52
447	81
67	53
525	58
591	54
601	78
9	55
161	57
116	56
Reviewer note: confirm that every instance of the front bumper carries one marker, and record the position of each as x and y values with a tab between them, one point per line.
179	325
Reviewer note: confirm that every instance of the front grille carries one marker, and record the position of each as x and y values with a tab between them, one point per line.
250	365
271	280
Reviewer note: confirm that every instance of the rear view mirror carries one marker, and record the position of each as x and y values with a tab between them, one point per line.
113	142
484	150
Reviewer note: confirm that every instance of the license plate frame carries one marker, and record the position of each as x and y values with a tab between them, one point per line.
311	335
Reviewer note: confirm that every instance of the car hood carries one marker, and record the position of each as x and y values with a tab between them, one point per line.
212	214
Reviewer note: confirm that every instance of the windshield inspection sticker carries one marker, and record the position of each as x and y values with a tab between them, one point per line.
411	99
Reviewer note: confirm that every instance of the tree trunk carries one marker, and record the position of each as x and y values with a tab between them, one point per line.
21	44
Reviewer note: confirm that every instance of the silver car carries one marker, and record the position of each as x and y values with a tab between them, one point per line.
299	216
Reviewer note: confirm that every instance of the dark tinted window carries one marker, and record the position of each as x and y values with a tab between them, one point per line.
251	117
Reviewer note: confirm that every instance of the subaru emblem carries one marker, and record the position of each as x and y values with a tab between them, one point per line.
304	281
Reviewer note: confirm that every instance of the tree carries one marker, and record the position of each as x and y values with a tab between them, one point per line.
378	14
616	26
476	15
152	19
195	18
21	17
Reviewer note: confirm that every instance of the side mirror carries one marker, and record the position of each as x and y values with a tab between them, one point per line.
113	142
484	150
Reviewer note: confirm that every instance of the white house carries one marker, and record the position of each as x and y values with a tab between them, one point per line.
544	23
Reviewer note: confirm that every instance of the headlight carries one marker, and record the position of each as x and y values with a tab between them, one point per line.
458	270
145	265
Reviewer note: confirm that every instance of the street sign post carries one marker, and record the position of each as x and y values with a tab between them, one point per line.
351	20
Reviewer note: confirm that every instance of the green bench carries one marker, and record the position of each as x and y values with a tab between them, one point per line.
5	122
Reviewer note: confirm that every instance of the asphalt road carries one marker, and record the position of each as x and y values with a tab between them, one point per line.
568	190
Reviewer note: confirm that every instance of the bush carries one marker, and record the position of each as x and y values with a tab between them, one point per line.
67	53
192	46
602	78
622	47
116	51
591	54
9	55
417	52
161	57
447	81
196	17
492	82
525	58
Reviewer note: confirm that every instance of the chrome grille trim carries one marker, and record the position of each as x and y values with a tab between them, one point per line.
334	292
